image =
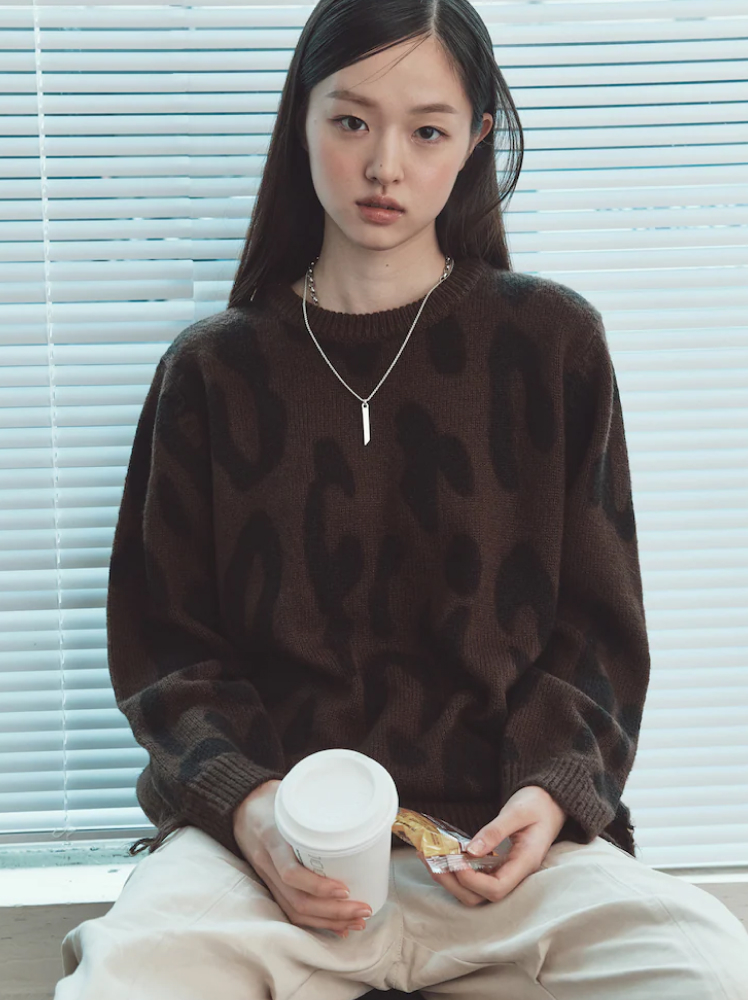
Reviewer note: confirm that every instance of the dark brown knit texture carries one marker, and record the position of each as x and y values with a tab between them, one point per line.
460	599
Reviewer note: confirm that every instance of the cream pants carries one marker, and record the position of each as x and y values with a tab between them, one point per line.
193	922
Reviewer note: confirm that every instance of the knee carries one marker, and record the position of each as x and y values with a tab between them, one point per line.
715	937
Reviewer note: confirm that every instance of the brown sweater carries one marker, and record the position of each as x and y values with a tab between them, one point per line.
460	598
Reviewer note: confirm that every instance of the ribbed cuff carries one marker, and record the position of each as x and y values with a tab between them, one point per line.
569	781
223	784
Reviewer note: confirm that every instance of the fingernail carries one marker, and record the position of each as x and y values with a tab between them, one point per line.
341	894
476	847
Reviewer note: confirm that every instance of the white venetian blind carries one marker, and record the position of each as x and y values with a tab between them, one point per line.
132	139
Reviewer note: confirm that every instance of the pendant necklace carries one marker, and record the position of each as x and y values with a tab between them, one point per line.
309	277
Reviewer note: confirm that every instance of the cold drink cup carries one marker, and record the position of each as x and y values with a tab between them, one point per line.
336	809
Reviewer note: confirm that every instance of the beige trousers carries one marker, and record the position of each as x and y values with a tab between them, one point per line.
193	922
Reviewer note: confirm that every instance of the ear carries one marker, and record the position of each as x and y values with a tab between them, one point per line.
485	129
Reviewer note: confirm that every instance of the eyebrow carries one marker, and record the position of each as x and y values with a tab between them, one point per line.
421	109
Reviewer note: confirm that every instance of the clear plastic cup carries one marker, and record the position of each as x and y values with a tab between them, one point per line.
336	809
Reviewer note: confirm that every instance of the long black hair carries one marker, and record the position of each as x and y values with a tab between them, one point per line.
287	224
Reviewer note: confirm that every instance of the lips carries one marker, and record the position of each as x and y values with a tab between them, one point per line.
388	203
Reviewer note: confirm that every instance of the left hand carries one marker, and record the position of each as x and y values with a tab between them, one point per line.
532	819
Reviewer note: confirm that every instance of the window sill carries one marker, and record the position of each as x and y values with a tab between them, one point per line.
96	871
64	873
55	886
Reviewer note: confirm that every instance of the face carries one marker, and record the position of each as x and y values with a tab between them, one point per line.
384	147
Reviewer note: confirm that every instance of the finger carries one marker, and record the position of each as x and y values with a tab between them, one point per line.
448	880
295	875
313	908
462	892
513	872
496	885
306	910
277	852
357	925
342	911
451	882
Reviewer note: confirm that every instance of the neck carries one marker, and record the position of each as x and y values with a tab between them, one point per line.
372	285
376	326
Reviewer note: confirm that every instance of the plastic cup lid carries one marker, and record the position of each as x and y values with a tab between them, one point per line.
335	800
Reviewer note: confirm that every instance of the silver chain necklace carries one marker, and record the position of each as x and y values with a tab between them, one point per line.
309	276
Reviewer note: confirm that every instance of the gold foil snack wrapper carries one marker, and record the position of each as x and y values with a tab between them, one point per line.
443	846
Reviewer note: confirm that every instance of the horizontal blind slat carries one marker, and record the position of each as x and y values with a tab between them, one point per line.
156	126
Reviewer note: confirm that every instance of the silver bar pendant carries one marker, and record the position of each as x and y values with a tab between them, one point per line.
365	416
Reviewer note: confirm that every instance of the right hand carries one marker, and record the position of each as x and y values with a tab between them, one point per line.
303	895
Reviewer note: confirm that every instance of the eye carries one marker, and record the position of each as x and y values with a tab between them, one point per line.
431	128
424	128
344	118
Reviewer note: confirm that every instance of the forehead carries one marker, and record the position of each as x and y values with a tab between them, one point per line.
415	78
359	97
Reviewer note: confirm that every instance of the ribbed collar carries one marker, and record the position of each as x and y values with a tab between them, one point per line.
364	327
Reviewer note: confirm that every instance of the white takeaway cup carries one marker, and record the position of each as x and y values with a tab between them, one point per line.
336	808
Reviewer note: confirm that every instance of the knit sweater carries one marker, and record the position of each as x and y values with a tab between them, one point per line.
459	599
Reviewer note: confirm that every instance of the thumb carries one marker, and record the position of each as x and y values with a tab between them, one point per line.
491	835
481	843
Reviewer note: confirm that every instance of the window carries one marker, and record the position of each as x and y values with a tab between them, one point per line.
132	141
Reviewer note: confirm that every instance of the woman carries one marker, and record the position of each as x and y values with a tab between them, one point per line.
443	575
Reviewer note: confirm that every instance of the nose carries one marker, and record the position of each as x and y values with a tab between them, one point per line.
386	159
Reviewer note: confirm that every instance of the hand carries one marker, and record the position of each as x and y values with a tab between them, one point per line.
532	819
303	895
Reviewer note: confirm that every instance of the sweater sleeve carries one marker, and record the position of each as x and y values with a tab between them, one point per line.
188	697
574	714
